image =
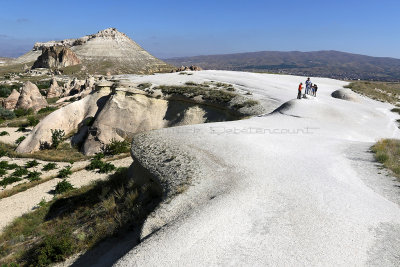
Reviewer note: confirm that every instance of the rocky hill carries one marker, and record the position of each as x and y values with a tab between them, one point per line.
108	51
332	64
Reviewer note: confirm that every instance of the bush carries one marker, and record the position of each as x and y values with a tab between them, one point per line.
64	173
9	180
63	186
19	140
5	91
381	157
33	176
19	172
94	164
4	165
21	129
97	163
3	172
19	112
57	136
32	163
106	168
3	133
116	147
49	166
32	121
43	84
47	109
54	248
6	114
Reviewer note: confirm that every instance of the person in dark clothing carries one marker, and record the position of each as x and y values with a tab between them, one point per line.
315	87
299	91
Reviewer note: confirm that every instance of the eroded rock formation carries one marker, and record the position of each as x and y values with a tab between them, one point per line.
118	111
30	97
56	57
11	101
186	68
54	90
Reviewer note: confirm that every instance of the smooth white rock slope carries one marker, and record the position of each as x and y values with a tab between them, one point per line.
292	193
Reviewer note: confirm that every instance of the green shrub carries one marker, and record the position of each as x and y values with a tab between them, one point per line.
94	164
19	172
33	176
54	248
5	91
20	139
63	186
98	156
57	136
9	180
116	147
49	166
21	129
32	121
3	172
106	168
381	157
47	109
43	84
65	172
6	114
32	163
3	133
5	165
19	112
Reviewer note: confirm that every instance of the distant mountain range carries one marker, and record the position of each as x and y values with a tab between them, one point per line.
332	64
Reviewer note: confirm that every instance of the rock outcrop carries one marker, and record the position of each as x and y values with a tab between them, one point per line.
346	94
68	118
108	51
56	57
54	90
11	101
186	68
121	111
30	97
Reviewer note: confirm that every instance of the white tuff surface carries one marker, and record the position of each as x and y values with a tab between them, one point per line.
279	199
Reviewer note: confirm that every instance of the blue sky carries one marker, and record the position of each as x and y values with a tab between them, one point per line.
183	28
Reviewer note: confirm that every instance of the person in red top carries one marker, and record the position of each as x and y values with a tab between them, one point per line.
299	93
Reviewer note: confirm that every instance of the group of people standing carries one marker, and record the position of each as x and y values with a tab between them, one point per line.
311	89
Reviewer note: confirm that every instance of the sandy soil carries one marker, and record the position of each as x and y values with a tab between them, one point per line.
14	135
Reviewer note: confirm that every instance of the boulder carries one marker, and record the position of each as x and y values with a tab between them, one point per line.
54	90
56	57
11	101
346	94
68	118
30	97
